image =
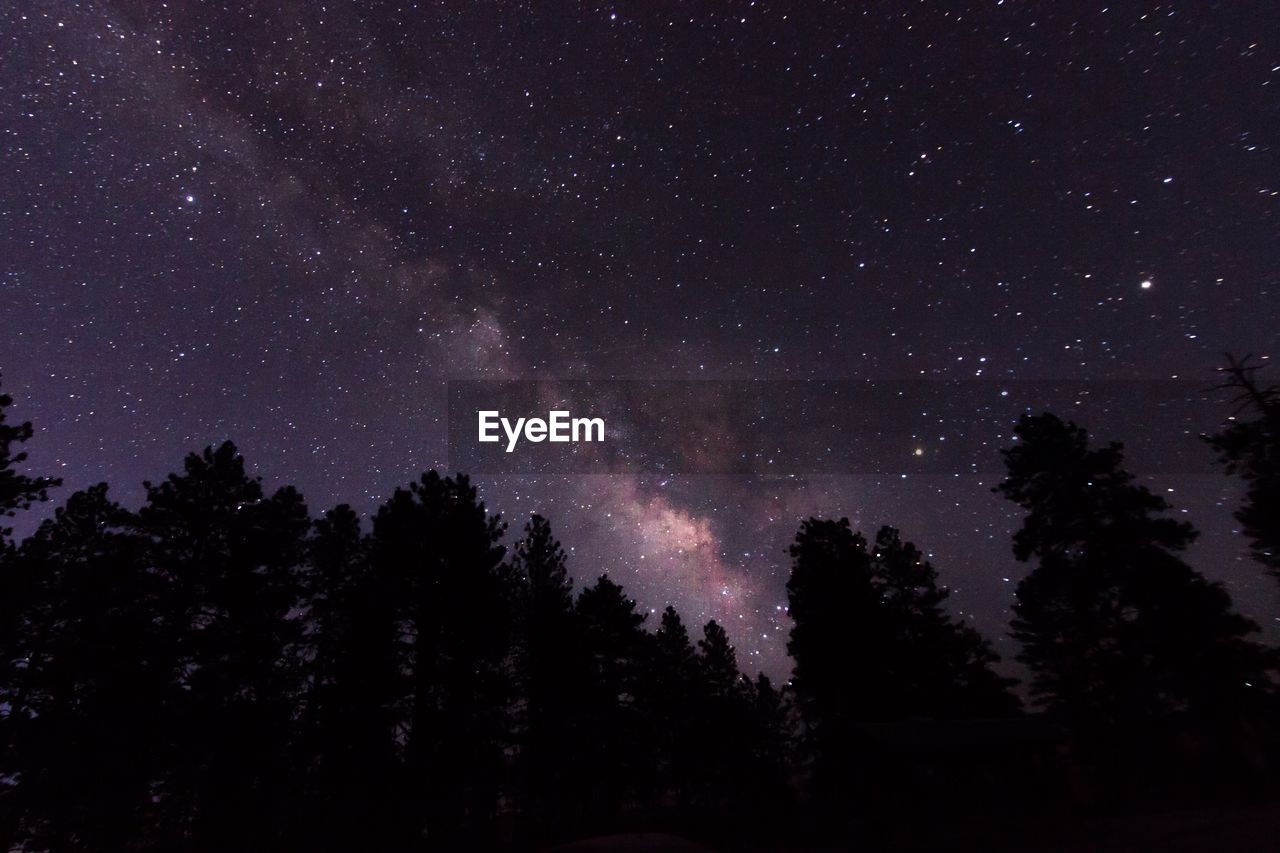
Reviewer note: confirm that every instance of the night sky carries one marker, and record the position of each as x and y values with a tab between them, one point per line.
288	224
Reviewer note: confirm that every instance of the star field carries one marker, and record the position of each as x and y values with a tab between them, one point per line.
290	224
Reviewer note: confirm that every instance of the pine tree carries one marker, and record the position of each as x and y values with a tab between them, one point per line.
554	668
717	661
18	491
87	703
673	692
621	744
870	638
615	637
229	559
673	650
1249	447
721	717
943	668
439	550
348	740
870	642
769	741
540	561
1113	623
838	626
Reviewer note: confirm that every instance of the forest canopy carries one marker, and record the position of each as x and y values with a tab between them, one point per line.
222	663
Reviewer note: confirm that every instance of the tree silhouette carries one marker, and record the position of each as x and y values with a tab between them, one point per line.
871	643
620	752
88	699
229	560
348	740
1114	625
673	691
870	640
943	667
722	724
769	744
18	491
718	661
674	651
838	620
1249	447
217	670
555	668
439	549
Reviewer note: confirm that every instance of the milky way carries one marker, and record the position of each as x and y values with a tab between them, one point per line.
290	224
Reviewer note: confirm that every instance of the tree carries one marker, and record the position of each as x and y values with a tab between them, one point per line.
229	559
348	740
1114	625
870	638
1249	447
553	666
88	698
870	642
943	667
439	550
18	491
718	661
841	674
768	743
673	649
722	723
837	621
620	757
673	693
540	562
615	638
